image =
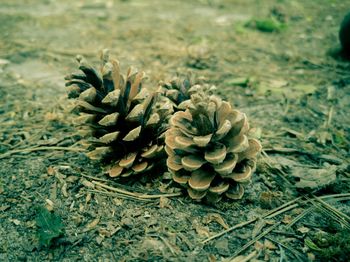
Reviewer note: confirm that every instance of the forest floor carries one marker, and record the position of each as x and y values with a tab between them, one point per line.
274	60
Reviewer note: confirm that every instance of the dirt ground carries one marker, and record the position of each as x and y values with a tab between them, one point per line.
290	82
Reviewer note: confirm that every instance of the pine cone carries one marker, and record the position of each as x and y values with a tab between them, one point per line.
179	91
118	115
208	149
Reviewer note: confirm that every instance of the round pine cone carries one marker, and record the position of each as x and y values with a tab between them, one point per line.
117	115
208	149
179	91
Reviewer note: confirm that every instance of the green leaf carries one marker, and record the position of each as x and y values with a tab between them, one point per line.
310	244
50	226
239	81
269	25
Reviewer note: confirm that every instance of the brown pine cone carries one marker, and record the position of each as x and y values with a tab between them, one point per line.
118	117
208	149
179	91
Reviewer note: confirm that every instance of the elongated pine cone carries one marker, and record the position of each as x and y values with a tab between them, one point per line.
117	115
208	149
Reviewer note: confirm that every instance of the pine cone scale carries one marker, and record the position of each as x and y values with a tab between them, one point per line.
133	134
202	141
238	144
216	153
227	166
192	162
196	195
128	160
86	107
200	179
219	189
112	98
235	192
109	138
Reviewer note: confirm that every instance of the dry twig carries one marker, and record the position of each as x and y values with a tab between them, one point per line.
136	195
296	253
40	148
251	242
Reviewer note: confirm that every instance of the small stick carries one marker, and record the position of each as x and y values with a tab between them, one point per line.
285	207
281	150
229	230
251	242
293	251
94	178
334	210
300	216
138	195
288	234
245	259
117	195
174	252
270	214
330	115
42	148
282	210
344	195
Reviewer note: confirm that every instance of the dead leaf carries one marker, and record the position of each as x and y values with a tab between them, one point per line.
201	230
52	116
222	247
311	256
15	221
306	177
287	219
152	244
72	179
269	245
99	239
164	202
49	204
259	225
216	218
91	225
4	208
64	190
258	246
212	258
51	171
88	197
247	258
87	183
117	201
314	178
104	232
303	230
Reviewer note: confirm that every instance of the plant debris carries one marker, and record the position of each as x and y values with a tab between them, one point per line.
267	25
50	226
